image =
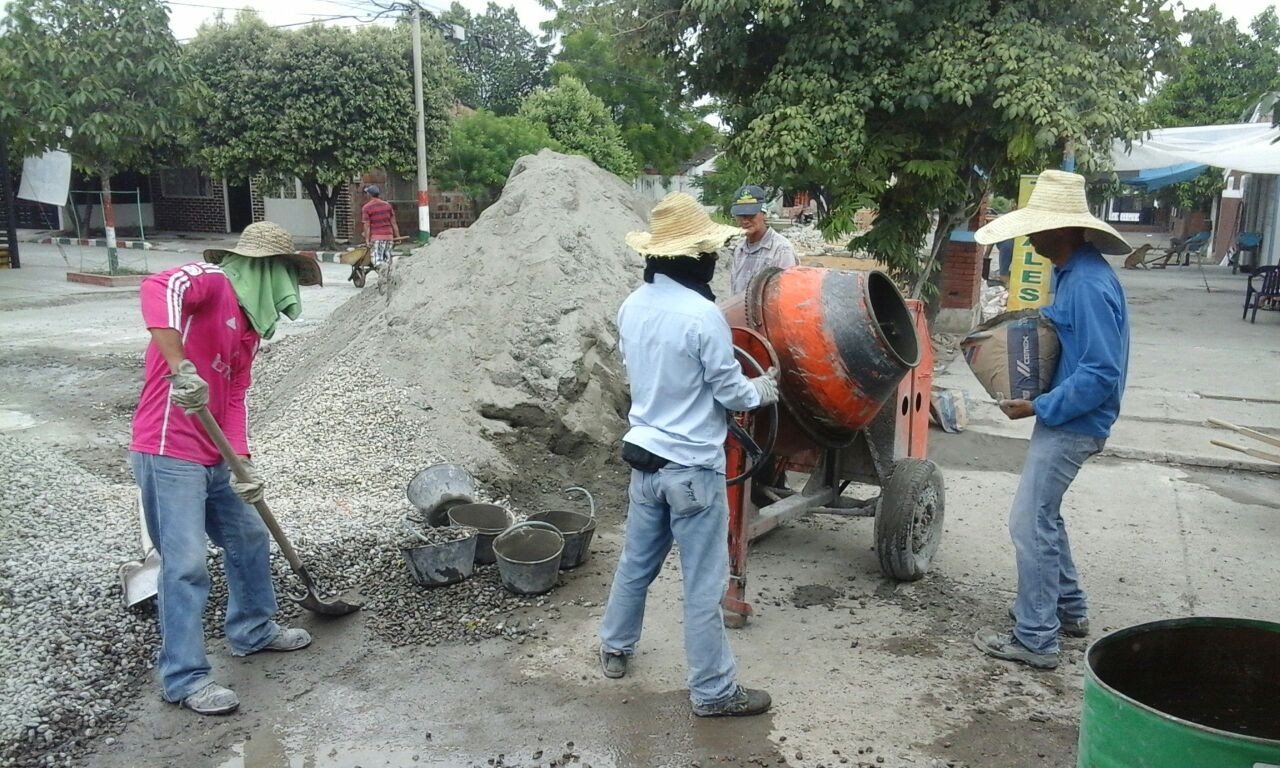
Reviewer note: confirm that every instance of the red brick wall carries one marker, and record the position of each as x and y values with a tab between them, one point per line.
449	210
189	214
961	275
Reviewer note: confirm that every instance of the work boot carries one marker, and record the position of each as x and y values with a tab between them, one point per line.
743	703
1069	627
614	665
212	699
288	639
1006	646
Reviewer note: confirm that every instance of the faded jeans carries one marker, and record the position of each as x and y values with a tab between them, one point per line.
686	505
183	501
1048	585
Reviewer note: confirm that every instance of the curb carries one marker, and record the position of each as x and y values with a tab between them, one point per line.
96	242
1175	459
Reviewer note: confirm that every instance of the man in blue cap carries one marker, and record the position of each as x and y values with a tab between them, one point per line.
763	247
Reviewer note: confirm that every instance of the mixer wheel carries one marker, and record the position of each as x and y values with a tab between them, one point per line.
908	526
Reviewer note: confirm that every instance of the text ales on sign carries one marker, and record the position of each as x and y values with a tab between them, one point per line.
1030	272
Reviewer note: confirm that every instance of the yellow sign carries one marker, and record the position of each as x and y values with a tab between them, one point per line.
1029	274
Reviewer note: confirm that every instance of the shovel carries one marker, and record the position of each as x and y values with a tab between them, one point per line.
311	600
139	579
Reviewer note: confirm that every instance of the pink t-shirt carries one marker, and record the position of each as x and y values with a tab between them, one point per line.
196	300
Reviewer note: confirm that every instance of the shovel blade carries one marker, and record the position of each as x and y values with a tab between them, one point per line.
140	580
312	602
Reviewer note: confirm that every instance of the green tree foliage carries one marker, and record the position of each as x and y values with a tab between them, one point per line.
581	124
323	104
500	61
728	175
482	149
102	79
1212	78
912	107
659	121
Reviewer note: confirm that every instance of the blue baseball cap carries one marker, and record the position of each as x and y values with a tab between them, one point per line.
373	189
748	201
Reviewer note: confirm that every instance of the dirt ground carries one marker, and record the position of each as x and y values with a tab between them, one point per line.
863	671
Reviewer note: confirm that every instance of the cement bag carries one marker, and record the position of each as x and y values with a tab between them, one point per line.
1014	354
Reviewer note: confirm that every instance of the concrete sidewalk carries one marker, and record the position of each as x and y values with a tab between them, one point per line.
1191	358
170	242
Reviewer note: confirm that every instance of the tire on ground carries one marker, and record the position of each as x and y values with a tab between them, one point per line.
909	515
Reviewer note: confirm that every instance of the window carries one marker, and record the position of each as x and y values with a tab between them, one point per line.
185	182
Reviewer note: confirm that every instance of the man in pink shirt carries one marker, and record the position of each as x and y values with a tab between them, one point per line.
206	321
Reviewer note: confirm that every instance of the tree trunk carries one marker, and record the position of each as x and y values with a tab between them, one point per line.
324	198
109	222
947	221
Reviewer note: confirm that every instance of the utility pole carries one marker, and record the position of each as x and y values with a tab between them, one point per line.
7	192
424	202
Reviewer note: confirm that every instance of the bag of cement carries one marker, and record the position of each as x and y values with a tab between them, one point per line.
1014	355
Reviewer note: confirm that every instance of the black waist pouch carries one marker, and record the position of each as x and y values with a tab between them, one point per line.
641	459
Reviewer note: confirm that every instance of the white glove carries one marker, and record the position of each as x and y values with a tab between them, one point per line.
187	390
250	490
767	388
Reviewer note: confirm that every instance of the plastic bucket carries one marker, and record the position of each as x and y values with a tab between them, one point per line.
577	528
528	556
489	520
1183	692
437	488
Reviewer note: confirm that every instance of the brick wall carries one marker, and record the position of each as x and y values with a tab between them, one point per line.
449	209
189	214
255	199
961	275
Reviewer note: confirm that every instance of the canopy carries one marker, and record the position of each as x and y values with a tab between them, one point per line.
1151	179
1247	147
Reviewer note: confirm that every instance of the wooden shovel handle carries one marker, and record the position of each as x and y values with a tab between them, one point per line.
1255	434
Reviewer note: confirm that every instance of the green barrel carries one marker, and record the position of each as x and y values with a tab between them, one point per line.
1184	693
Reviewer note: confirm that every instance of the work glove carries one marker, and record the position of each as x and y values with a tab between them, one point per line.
251	489
187	390
766	387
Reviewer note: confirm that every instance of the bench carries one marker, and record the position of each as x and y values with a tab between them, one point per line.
1266	295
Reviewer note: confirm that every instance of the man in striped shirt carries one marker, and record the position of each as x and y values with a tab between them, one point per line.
380	227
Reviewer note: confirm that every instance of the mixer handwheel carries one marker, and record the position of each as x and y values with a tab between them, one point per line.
908	526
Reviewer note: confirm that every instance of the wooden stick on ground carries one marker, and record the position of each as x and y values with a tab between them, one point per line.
1255	434
1272	457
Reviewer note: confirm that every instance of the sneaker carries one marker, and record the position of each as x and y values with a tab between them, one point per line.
1003	645
212	699
288	639
614	665
1069	627
743	703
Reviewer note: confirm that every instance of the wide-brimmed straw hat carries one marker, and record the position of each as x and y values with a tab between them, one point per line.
680	227
1058	201
263	239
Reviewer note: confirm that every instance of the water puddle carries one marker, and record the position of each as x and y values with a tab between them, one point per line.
266	750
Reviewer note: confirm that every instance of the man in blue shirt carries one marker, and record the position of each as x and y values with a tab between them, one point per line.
679	357
1073	419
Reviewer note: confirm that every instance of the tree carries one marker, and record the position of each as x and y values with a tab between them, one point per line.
482	149
659	121
101	79
322	104
1212	79
581	124
500	61
911	107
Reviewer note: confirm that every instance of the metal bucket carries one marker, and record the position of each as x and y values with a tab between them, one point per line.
437	488
528	556
434	565
489	520
1183	692
577	529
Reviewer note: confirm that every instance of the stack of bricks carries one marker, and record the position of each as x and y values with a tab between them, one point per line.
189	214
450	210
961	275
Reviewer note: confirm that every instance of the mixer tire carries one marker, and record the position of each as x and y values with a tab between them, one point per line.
908	526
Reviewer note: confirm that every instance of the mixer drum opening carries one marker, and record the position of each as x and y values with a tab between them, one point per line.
892	319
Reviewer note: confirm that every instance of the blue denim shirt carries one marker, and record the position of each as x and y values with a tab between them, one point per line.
679	357
1092	319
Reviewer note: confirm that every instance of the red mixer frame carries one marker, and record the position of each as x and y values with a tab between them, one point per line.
890	452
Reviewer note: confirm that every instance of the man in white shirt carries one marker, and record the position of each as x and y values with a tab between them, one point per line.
762	247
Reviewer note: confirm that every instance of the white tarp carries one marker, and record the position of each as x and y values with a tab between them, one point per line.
46	179
1246	147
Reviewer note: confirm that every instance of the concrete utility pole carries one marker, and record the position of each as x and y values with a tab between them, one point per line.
424	202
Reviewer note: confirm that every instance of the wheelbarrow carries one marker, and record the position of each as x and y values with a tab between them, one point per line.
360	259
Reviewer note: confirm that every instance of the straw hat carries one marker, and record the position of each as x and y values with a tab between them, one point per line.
263	239
1057	201
680	227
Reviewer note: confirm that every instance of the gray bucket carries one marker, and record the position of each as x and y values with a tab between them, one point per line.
437	488
489	520
434	565
528	557
577	529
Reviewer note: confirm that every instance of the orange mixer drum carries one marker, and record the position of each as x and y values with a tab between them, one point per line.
844	341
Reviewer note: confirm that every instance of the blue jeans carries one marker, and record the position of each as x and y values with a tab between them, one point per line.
183	501
1048	584
686	505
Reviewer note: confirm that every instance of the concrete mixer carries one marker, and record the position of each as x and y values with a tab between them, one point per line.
855	369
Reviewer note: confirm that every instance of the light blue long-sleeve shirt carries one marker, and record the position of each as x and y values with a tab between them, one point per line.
679	357
1092	320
